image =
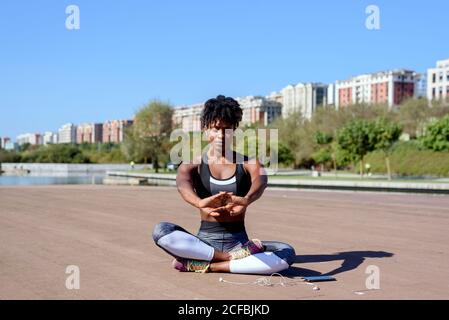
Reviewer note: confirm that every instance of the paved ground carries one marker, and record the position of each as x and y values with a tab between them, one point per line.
105	230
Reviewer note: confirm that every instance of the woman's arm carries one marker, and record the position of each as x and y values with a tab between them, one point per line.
213	205
259	181
184	184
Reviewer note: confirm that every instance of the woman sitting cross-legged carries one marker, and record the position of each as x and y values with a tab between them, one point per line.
222	187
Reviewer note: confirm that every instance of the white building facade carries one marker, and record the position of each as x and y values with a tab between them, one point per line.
31	138
67	133
390	87
259	110
438	81
304	98
50	138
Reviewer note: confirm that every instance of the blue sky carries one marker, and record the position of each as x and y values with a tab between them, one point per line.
128	52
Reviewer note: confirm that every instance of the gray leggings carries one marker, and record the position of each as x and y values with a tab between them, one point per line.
180	243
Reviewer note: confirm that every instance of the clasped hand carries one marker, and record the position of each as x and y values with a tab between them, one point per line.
223	203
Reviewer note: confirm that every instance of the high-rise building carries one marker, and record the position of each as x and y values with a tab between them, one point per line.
50	138
421	86
330	101
9	145
256	109
390	87
67	133
113	131
89	133
31	138
259	110
187	118
4	141
304	98
438	81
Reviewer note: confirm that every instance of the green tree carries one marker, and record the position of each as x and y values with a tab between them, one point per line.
388	132
413	115
295	133
437	135
325	153
152	127
358	138
285	156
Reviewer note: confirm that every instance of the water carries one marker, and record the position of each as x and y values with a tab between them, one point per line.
28	180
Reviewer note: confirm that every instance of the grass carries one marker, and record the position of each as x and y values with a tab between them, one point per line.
368	179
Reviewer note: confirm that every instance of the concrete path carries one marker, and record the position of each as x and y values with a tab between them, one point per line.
105	231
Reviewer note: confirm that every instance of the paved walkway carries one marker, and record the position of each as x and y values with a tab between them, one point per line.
105	230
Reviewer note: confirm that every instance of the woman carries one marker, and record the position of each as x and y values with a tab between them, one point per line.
222	188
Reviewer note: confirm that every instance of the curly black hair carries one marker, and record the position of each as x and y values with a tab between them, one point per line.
222	108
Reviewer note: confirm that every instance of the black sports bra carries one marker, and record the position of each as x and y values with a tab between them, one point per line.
206	185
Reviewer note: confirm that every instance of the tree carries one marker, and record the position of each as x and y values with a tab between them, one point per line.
295	133
388	133
358	138
325	152
285	156
413	114
437	135
152	127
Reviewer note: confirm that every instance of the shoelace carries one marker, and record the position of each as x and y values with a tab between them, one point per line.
247	250
197	266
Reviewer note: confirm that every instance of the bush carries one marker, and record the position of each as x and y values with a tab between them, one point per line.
437	135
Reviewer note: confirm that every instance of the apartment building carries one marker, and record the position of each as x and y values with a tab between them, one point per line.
390	87
67	133
304	98
438	81
256	109
31	138
89	133
113	131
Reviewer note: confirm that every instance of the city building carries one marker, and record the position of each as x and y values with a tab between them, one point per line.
390	87
256	109
259	110
9	146
4	141
304	98
67	133
113	131
31	138
50	138
89	133
330	101
421	86
438	81
276	97
187	118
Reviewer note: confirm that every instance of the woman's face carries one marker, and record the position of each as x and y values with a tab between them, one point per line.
218	133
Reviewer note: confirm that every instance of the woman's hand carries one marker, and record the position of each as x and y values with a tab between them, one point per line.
215	205
237	205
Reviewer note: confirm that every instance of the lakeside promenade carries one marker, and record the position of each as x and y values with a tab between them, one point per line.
105	231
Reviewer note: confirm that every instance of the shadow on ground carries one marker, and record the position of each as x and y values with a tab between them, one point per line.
351	260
